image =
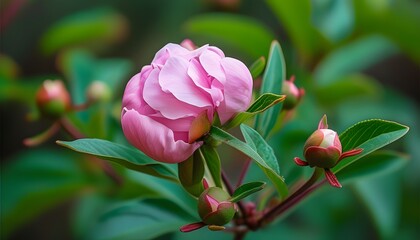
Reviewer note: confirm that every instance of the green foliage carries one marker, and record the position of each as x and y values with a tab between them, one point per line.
274	75
84	28
369	135
128	157
235	30
263	103
35	181
257	67
246	189
265	164
191	173
213	163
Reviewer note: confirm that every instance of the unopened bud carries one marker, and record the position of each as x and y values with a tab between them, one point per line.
215	208
293	94
98	91
322	149
53	99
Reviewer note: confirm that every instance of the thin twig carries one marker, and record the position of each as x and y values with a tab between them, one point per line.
292	199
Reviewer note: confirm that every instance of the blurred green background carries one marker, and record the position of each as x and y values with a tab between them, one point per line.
356	60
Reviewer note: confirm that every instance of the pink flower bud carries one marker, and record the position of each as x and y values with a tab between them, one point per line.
293	94
169	106
53	99
215	208
323	149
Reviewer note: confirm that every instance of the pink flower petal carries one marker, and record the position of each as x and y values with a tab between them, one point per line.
174	79
133	98
200	78
159	100
154	139
211	64
238	88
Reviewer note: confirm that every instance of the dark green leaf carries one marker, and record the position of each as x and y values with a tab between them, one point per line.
213	163
376	163
246	34
191	172
257	67
352	58
257	142
123	155
260	105
36	181
222	136
90	27
369	135
346	88
246	189
141	219
274	75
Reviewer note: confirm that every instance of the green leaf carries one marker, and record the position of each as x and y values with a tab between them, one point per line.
335	19
213	163
346	88
264	102
369	135
376	163
103	26
141	219
257	142
123	155
295	16
352	58
257	67
222	136
234	30
41	179
382	197
274	75
246	189
191	172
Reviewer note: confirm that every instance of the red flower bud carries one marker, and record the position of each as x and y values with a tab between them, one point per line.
53	99
215	208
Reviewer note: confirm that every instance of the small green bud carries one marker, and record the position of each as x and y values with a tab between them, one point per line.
215	208
293	94
98	91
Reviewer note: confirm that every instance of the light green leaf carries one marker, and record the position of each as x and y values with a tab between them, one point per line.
354	57
222	136
257	142
246	189
274	75
213	163
90	27
141	219
374	164
369	135
123	155
335	19
41	179
243	33
257	67
264	102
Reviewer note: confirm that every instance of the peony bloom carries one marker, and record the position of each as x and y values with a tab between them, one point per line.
172	102
323	149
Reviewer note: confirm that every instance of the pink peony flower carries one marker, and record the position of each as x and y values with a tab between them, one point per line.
171	103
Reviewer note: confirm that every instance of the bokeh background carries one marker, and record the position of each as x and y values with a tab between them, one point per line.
356	59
